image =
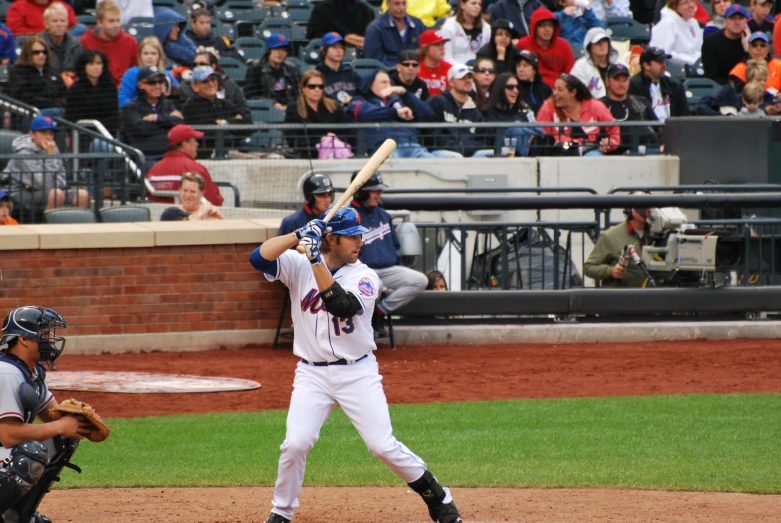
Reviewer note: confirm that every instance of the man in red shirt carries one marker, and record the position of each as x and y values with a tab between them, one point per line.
554	52
180	158
433	67
120	48
25	17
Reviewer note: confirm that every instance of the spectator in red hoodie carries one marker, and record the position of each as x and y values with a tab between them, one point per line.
120	48
555	52
25	17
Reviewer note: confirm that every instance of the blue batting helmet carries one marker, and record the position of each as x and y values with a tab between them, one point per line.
346	221
37	323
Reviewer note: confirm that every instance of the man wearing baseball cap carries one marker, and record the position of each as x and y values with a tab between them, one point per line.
627	107
180	158
406	74
341	80
273	77
457	106
724	49
433	67
758	49
147	119
666	95
393	32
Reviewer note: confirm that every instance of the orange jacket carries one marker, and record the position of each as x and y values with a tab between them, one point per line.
9	221
773	68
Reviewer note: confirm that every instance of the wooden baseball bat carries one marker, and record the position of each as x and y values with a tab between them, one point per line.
366	172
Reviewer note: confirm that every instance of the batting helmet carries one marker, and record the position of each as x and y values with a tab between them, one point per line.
372	184
316	184
38	323
346	221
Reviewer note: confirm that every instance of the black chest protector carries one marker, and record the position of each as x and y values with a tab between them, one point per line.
32	392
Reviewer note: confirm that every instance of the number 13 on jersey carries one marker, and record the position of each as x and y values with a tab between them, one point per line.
347	327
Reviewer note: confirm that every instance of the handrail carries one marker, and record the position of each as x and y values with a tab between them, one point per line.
749	187
106	134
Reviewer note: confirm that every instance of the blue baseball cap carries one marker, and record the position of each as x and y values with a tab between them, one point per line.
4	195
174	214
736	9
202	73
148	72
41	123
346	221
331	38
277	40
758	35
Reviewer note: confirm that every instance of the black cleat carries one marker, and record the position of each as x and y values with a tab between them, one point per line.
276	518
378	324
445	512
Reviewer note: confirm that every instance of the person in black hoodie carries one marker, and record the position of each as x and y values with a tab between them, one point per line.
534	91
456	106
505	105
664	94
341	80
346	17
31	79
273	77
315	108
94	95
501	49
406	74
147	118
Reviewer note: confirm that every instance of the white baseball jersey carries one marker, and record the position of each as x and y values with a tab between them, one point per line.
11	379
320	336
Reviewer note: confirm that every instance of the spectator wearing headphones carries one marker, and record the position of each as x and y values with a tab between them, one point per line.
603	264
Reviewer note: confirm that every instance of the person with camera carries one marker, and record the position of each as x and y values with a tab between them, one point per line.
604	263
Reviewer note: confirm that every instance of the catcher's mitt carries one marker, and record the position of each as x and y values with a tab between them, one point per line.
99	431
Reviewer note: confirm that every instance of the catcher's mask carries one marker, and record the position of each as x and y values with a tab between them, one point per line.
39	324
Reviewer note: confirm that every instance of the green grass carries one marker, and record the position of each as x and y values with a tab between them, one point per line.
686	442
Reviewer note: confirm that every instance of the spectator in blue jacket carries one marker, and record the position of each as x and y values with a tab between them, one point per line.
169	29
341	80
392	33
519	12
7	49
380	251
576	17
380	101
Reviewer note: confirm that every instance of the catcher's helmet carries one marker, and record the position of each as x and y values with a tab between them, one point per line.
39	324
346	221
372	184
316	184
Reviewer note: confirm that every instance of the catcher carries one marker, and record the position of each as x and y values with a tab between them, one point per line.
34	455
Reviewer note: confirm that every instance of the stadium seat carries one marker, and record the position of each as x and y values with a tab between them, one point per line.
140	28
234	10
264	139
88	20
365	66
578	51
263	111
6	148
4	10
69	215
299	11
676	70
251	49
695	70
697	88
439	23
302	65
235	69
125	213
621	28
310	53
283	26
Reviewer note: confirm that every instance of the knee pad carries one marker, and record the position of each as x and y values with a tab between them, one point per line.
21	472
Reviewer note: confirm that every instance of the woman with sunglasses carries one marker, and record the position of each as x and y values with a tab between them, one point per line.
150	54
501	49
505	105
312	107
485	73
466	32
32	81
572	102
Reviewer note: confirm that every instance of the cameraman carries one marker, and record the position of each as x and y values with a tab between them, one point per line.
603	263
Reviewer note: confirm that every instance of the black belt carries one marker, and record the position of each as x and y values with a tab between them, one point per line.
337	362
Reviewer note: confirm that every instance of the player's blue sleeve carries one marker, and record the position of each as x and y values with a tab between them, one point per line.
263	265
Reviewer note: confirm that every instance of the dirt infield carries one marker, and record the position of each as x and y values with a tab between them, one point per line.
438	374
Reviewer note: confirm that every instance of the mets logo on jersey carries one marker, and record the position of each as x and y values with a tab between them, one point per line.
366	287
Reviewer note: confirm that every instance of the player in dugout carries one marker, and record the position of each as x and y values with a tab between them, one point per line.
380	251
318	195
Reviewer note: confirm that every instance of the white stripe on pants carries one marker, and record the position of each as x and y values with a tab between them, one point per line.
358	390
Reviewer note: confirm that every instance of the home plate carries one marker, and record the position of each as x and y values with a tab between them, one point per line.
143	383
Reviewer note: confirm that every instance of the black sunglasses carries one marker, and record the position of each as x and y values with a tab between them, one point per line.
155	82
511	87
485	70
39	51
410	64
315	86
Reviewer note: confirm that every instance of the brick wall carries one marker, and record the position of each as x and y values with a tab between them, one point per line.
143	290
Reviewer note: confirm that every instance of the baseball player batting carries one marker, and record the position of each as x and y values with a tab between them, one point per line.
332	296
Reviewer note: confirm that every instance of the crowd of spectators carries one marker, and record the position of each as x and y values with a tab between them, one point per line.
471	61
